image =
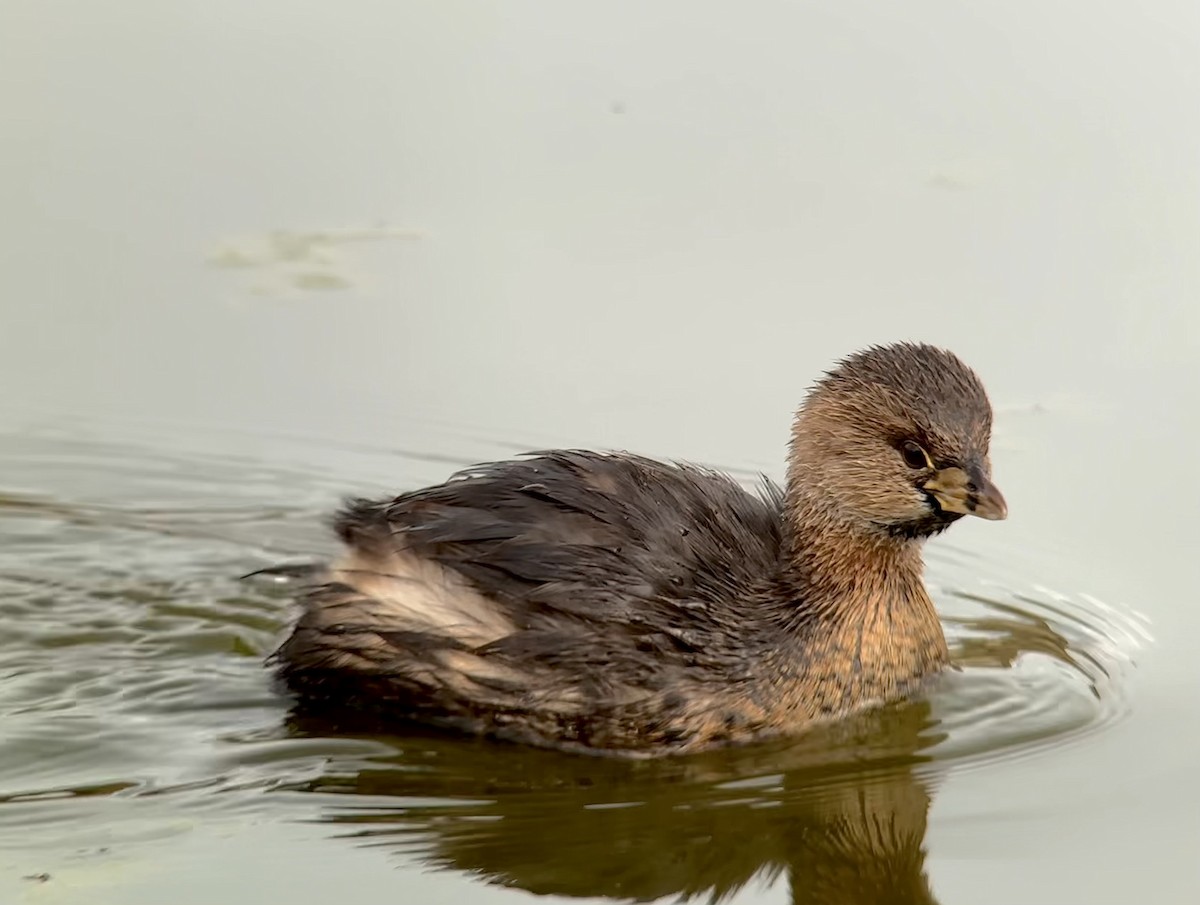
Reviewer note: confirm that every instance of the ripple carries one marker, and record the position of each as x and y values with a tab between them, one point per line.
134	692
1037	667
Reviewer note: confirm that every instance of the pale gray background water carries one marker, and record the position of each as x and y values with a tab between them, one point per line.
634	225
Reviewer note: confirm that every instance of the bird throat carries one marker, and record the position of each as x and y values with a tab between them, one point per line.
860	627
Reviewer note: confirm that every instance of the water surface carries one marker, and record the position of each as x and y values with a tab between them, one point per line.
137	707
256	257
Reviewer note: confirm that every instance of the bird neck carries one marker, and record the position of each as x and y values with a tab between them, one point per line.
830	555
835	560
857	600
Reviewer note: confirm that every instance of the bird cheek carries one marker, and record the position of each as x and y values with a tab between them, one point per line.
900	503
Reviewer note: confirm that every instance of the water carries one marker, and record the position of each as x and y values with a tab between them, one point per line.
253	259
136	707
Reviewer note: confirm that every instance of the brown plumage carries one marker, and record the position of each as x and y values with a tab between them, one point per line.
608	602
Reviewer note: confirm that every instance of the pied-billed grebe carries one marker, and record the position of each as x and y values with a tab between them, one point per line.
607	602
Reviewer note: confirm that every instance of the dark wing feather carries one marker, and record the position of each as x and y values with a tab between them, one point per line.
609	538
627	584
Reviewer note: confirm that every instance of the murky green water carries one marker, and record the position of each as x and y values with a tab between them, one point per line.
255	257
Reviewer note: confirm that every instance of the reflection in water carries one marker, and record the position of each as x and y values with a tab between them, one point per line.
841	812
134	693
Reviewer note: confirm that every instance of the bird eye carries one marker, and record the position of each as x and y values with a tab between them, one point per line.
914	456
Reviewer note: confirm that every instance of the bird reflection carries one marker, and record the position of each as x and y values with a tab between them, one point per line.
840	812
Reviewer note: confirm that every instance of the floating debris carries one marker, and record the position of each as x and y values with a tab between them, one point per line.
289	261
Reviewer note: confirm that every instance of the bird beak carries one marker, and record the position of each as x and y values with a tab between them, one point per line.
967	491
